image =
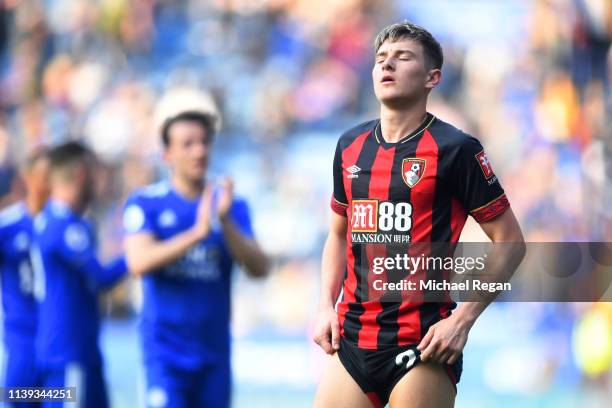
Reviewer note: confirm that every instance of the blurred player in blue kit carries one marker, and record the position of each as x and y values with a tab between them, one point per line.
68	278
182	237
18	301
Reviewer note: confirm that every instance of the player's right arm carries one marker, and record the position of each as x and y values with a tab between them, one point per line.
73	245
333	265
145	253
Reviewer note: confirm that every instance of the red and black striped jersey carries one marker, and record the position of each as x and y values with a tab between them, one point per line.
417	190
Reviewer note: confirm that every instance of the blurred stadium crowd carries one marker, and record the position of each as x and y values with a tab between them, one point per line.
531	79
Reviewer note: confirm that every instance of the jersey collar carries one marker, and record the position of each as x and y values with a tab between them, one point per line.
429	119
60	209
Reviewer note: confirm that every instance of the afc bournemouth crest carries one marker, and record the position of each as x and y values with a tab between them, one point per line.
413	170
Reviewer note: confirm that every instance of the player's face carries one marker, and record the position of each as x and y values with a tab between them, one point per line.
188	150
87	182
37	179
400	73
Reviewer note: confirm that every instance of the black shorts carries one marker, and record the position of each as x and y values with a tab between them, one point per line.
377	371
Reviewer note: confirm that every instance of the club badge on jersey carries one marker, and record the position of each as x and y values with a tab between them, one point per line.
412	170
485	165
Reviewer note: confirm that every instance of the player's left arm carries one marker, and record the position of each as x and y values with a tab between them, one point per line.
446	339
478	190
242	246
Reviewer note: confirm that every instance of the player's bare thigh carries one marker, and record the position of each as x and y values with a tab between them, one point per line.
337	388
426	385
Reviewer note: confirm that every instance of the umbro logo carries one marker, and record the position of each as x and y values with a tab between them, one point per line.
353	170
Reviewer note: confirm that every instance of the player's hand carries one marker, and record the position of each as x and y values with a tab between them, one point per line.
327	330
202	224
444	340
226	197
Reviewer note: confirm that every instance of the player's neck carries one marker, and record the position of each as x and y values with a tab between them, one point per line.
191	189
34	204
396	123
68	198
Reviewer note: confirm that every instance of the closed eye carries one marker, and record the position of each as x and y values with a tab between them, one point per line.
380	58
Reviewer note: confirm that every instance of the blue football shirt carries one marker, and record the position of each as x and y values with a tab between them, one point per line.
186	304
69	278
20	308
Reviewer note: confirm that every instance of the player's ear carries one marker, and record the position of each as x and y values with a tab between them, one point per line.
434	76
